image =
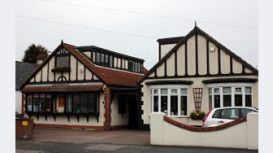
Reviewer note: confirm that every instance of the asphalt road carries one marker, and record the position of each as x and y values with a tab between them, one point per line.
28	146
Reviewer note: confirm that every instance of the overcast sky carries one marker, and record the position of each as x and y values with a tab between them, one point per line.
133	26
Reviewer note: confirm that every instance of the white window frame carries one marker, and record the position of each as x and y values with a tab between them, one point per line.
233	86
169	87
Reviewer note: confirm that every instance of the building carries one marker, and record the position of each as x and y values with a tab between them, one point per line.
196	73
23	72
85	87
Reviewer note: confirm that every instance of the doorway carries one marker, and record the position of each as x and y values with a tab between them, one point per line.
133	112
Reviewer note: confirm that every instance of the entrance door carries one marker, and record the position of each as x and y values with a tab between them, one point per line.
133	112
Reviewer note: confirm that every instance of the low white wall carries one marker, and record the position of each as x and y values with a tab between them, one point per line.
243	135
18	102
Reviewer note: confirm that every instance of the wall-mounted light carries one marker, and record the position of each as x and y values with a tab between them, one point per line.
212	49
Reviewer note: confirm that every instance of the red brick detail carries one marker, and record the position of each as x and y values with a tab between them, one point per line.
24	132
23	104
97	128
201	129
107	108
63	88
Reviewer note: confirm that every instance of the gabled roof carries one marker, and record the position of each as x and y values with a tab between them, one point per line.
183	40
111	77
23	72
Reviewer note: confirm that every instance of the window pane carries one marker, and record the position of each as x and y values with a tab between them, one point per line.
97	57
155	91
69	103
92	102
62	61
48	103
106	58
248	100
42	103
76	103
164	91
232	113
216	90
130	66
111	61
238	90
155	109
216	101
238	100
35	102
248	90
226	90
227	100
84	103
183	91
173	91
29	103
102	58
183	105
174	105
164	104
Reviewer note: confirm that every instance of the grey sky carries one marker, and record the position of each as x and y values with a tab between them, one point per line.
133	26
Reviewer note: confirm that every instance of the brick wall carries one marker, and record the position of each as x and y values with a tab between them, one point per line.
24	128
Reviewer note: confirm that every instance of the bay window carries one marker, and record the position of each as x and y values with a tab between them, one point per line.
169	100
229	95
77	103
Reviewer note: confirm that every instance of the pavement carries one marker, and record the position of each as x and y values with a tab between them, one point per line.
118	141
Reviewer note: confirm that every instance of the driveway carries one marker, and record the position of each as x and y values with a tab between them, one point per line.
118	141
78	136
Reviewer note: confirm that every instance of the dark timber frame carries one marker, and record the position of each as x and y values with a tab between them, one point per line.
219	47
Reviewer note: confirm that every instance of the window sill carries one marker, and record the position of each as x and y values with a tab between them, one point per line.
61	69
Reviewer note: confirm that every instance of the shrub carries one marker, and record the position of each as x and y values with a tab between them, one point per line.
197	115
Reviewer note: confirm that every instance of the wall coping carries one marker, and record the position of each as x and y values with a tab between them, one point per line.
202	129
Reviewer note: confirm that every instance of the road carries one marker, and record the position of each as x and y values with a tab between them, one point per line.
28	146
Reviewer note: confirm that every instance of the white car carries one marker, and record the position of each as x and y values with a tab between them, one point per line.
224	115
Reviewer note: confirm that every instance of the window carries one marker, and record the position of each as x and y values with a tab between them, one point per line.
63	103
227	96
62	61
172	101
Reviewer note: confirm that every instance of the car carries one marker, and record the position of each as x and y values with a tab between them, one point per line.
21	116
219	116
